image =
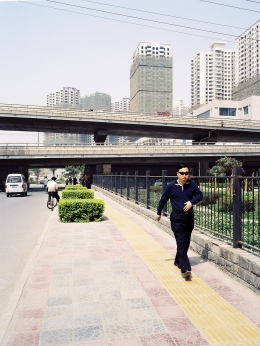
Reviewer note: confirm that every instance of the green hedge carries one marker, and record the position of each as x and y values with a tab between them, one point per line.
81	210
74	187
77	194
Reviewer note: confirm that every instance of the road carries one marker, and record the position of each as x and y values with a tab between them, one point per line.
23	220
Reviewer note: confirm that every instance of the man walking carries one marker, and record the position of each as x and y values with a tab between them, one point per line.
183	193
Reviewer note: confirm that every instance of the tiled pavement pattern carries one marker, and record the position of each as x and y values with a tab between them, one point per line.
114	283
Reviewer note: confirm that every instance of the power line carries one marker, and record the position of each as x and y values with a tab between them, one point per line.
257	2
122	21
140	18
165	15
239	8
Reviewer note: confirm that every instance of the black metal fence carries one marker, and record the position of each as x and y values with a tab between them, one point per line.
230	209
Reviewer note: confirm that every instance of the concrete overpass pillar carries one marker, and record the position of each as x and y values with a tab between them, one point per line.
203	168
100	136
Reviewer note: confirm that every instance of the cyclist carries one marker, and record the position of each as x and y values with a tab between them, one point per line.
52	187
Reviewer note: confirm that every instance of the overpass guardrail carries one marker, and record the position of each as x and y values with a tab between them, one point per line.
8	151
137	118
229	211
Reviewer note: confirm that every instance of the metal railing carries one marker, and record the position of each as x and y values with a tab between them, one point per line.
229	211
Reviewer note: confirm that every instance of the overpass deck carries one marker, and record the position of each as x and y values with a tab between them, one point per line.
101	124
12	151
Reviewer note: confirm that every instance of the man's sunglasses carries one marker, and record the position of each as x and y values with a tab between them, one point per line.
182	173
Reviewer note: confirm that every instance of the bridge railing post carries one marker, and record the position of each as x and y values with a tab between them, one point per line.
116	182
164	174
237	206
121	184
147	189
127	186
111	182
136	186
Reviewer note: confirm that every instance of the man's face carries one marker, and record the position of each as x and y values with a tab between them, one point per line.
183	175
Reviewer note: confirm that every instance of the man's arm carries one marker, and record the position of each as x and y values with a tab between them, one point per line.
198	196
163	200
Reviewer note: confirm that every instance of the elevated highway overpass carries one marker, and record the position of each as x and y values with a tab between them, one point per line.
101	124
127	157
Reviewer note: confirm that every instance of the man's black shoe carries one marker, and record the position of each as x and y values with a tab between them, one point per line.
186	274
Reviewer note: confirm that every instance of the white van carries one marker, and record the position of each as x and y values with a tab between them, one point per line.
15	184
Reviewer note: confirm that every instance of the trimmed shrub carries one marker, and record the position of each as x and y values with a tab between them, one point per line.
81	210
225	204
157	189
209	198
74	187
77	194
248	203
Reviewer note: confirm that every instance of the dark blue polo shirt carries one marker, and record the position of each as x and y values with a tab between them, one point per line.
178	195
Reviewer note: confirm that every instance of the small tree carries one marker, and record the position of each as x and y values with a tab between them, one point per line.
71	171
224	166
53	171
37	172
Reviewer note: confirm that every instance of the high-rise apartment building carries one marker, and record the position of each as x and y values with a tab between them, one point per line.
121	106
212	75
247	76
97	101
151	78
66	97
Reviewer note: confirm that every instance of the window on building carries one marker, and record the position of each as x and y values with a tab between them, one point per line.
230	112
245	110
204	115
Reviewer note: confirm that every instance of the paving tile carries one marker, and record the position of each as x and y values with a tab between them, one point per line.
116	316
151	326
137	303
119	329
55	301
57	322
24	339
143	314
56	337
63	310
111	295
88	333
126	341
157	339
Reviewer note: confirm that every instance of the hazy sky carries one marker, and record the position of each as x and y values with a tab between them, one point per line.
46	45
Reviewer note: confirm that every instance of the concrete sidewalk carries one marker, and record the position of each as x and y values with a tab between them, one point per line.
114	283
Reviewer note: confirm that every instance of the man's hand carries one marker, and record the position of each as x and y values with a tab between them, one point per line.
187	206
158	217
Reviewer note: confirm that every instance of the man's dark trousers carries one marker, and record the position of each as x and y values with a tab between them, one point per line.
182	225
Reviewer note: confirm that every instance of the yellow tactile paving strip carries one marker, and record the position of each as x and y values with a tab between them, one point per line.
216	319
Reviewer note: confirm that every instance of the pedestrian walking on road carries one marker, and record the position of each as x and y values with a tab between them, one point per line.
183	193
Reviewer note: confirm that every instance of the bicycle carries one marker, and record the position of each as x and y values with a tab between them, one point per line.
51	202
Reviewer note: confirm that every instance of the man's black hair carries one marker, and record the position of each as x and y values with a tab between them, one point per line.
182	165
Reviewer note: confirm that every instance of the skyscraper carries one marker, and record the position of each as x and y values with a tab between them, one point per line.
212	75
97	101
247	77
151	78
